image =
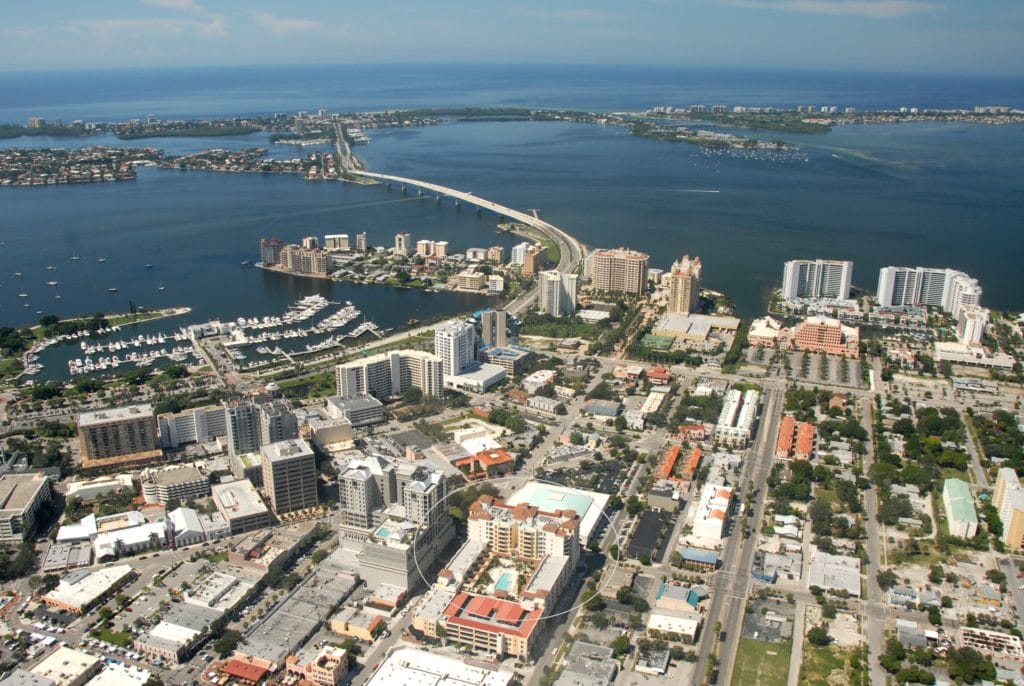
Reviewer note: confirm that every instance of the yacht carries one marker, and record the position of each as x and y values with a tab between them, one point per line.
111	290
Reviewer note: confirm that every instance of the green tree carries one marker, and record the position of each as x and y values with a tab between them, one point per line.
818	636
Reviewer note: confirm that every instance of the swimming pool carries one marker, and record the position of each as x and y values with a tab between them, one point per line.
504	582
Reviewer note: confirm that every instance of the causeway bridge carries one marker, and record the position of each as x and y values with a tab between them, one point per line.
570	249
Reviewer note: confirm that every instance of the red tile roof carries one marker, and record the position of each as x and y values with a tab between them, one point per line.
243	670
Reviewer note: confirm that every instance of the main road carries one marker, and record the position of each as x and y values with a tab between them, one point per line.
570	249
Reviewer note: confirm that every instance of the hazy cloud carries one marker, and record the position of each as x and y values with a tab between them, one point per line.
878	9
269	22
576	15
182	5
105	29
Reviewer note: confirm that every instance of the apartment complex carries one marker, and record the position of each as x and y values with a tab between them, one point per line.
684	285
270	250
289	475
738	417
403	244
390	514
948	289
121	436
390	374
523	530
21	498
557	296
455	345
337	242
826	335
816	279
277	421
197	425
242	420
618	271
1008	499
308	261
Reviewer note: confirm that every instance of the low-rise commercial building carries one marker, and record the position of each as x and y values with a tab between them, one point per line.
360	410
835	572
178	632
240	504
327	668
353	622
683	624
826	335
411	666
68	667
81	590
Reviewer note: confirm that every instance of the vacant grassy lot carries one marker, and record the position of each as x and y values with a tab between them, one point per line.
761	663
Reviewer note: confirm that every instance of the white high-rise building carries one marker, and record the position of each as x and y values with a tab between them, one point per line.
391	374
970	326
949	289
817	279
361	242
403	244
557	293
518	256
455	344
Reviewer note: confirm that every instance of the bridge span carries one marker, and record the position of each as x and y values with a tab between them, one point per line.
570	249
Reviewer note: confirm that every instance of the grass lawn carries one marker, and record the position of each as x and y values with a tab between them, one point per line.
761	663
118	638
819	663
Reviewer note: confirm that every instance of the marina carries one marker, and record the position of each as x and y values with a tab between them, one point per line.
248	341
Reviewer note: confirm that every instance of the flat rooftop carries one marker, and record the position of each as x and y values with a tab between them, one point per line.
413	667
176	476
238	499
18	490
66	666
286	450
117	414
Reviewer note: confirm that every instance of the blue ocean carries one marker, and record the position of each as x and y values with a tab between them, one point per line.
931	194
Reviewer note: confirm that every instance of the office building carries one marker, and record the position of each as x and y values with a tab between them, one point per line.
390	374
337	242
359	410
289	475
240	505
948	289
557	296
243	427
959	507
1008	500
494	328
21	498
618	271
174	483
309	261
455	345
684	285
403	244
362	242
816	279
270	251
277	422
119	436
826	335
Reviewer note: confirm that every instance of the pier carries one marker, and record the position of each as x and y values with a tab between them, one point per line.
571	250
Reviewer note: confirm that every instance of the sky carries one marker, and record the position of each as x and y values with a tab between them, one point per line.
971	36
